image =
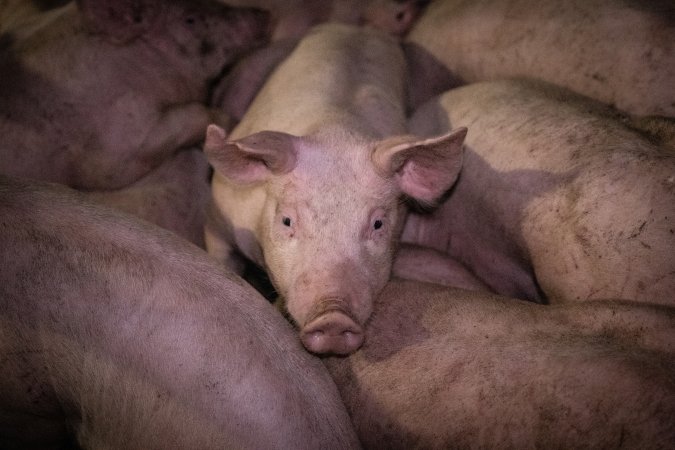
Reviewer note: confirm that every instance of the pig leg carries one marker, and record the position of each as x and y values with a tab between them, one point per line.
431	266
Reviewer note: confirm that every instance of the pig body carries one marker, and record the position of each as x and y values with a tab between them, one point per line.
97	96
293	18
117	334
621	53
559	199
449	368
309	185
173	196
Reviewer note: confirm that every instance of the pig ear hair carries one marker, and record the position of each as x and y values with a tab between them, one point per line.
424	168
119	20
251	159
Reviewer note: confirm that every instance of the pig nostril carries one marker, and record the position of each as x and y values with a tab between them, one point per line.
332	333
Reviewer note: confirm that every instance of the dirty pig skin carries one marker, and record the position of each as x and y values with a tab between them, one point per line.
449	368
560	199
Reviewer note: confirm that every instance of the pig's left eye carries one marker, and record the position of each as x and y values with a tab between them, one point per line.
286	221
377	224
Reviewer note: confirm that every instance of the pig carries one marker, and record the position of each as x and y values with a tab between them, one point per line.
115	333
235	92
102	91
311	184
174	195
618	52
293	18
560	198
449	368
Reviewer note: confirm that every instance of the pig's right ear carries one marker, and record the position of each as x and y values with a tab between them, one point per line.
119	20
251	159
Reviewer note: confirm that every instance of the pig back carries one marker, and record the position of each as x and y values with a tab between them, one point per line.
133	338
560	187
337	73
446	368
620	53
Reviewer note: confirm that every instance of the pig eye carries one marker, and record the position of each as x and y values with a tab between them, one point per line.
190	21
377	224
286	221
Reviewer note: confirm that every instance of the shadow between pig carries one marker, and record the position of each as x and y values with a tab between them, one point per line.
481	223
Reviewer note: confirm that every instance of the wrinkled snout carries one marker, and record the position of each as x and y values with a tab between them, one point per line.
330	329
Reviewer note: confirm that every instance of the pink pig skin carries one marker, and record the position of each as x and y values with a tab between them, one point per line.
97	93
310	184
449	368
117	334
560	199
618	52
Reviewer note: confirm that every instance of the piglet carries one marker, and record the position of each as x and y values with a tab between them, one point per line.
117	334
311	183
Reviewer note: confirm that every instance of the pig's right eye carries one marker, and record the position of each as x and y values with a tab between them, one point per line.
286	221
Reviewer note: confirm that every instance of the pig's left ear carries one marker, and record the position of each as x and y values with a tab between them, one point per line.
252	159
120	20
424	169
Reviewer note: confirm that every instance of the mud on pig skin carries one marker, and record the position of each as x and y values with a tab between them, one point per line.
310	183
98	93
117	334
449	368
560	199
619	52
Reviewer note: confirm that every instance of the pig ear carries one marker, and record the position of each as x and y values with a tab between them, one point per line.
119	20
251	159
424	169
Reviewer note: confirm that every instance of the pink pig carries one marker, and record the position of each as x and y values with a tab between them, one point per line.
311	184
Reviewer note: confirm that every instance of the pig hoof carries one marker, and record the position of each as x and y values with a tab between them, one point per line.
332	333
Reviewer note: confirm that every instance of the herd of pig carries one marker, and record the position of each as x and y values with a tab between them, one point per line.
465	209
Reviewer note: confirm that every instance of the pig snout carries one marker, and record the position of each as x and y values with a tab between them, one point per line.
330	329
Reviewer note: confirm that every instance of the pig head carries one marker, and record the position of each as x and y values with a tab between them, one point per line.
324	223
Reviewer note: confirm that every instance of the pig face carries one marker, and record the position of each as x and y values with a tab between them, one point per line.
325	212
